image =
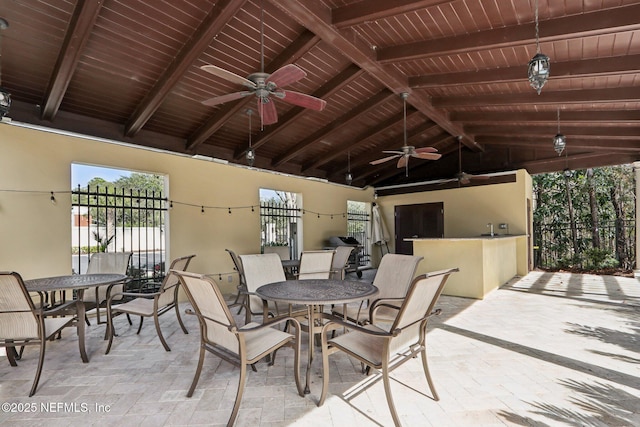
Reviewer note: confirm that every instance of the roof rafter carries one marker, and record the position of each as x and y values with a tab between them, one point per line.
77	36
317	18
366	11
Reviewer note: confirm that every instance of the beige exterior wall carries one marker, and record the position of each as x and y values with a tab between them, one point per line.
468	210
36	234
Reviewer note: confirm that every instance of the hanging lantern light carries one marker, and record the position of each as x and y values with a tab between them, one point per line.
348	177
559	141
5	96
539	65
251	154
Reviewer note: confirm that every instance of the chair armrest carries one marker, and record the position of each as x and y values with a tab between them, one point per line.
59	309
133	294
334	320
392	303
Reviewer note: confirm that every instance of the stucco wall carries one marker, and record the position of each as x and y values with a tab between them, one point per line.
36	234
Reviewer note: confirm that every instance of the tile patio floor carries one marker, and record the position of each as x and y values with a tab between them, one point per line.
544	350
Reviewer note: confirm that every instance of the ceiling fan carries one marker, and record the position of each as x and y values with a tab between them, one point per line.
266	87
464	178
406	151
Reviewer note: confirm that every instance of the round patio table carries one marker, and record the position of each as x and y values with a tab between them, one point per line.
79	282
315	293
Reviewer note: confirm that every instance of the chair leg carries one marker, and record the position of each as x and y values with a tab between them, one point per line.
236	405
176	305
140	326
39	369
196	377
129	320
110	329
425	367
325	369
387	392
157	322
12	355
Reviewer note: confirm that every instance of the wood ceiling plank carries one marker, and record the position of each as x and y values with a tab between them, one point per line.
606	20
617	94
220	14
566	116
567	69
365	11
579	143
334	126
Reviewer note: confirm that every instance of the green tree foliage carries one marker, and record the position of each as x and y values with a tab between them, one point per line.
609	190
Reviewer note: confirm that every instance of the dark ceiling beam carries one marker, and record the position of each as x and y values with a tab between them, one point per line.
627	64
80	26
220	14
334	85
566	116
340	122
589	144
362	160
343	148
316	17
302	44
549	130
606	20
579	161
367	11
617	94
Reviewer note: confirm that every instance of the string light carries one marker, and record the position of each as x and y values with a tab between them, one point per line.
171	203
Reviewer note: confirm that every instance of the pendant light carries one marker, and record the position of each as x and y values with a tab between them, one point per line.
539	65
5	96
348	177
559	141
251	154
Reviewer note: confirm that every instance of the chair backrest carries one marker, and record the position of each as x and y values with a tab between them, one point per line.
282	251
340	259
315	264
422	295
260	269
171	280
395	274
216	321
106	262
237	263
17	311
109	262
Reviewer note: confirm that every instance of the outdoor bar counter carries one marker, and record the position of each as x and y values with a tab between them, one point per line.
485	262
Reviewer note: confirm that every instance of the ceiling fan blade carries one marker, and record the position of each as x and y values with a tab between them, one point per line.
427	156
426	150
393	152
402	161
302	100
286	75
478	176
225	98
228	75
267	111
382	160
